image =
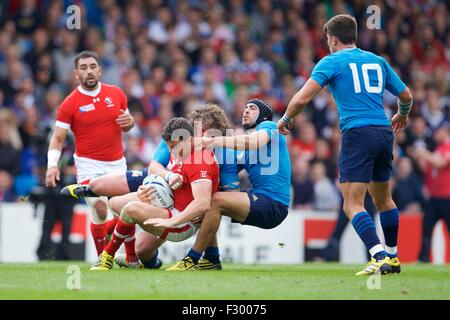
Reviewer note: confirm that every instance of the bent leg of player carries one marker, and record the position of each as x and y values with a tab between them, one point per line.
109	185
130	259
147	250
233	204
382	197
135	212
354	193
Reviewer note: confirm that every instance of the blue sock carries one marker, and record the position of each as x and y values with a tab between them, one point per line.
212	254
195	256
150	264
365	228
389	222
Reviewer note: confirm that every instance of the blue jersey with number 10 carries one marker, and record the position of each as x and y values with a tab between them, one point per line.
357	80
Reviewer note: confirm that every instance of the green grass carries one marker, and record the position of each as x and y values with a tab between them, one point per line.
261	282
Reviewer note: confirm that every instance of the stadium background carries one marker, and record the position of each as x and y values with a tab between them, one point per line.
169	56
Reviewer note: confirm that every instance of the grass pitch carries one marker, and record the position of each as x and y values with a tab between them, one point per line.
235	282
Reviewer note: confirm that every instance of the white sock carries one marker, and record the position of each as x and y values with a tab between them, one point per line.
391	250
375	249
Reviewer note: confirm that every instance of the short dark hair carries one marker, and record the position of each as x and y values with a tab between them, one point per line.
177	124
343	27
84	55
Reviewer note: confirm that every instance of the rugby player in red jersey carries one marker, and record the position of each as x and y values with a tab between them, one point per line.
97	114
200	173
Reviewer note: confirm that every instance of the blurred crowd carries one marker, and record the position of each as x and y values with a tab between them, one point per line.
170	56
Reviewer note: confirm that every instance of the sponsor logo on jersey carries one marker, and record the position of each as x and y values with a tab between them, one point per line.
87	108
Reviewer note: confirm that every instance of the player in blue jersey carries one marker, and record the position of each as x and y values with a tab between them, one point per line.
357	79
209	118
264	155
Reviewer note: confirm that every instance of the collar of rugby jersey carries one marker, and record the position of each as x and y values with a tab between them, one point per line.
92	93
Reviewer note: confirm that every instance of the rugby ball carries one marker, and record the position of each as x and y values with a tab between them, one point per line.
163	195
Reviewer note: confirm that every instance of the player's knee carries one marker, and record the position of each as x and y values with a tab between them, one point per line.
384	204
95	185
144	250
114	205
131	208
217	202
102	209
352	208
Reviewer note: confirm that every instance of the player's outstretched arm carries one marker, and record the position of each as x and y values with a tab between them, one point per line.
405	103
54	153
298	104
252	141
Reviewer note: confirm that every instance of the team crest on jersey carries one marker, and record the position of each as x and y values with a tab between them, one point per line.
87	108
109	102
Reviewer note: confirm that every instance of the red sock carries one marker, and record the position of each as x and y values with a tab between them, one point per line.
110	225
129	248
123	230
98	232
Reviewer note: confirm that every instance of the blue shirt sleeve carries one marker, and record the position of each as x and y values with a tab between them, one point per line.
268	126
229	179
323	71
393	82
162	154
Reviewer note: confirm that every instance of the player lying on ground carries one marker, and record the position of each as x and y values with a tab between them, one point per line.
207	119
266	204
200	173
357	79
97	114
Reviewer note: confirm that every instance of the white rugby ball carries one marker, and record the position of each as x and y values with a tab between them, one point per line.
163	195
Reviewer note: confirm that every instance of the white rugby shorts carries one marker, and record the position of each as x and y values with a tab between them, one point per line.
88	169
181	232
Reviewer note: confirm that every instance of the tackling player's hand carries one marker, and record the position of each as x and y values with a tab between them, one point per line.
284	127
398	122
160	222
125	120
204	142
51	177
145	193
175	181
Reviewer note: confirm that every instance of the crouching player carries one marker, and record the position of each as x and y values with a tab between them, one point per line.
200	173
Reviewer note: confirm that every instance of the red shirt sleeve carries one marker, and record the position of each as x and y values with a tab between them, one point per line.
200	167
199	172
65	111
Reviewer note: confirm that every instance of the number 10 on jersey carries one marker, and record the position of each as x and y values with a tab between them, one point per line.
365	72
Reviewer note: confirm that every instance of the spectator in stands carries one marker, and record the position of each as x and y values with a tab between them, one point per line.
325	194
436	166
10	143
303	187
6	187
407	187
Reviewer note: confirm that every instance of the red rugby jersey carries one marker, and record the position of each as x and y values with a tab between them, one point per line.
199	165
91	116
438	180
